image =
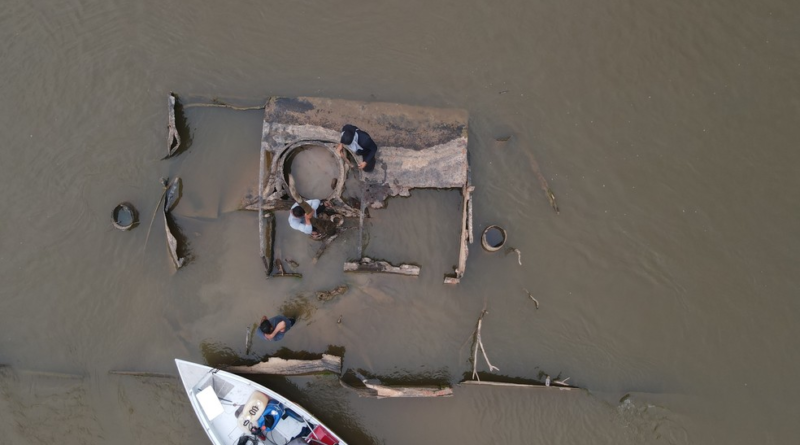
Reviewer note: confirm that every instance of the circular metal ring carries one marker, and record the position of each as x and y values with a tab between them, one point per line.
287	155
495	245
124	217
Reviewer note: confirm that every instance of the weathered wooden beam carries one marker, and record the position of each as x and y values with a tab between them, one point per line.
383	391
466	235
367	265
279	366
173	138
515	385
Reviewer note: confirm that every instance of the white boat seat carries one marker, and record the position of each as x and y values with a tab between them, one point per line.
253	409
288	427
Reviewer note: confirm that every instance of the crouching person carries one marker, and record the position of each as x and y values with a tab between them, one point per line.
312	218
359	143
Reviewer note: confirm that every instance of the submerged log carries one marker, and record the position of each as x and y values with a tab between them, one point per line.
279	366
367	265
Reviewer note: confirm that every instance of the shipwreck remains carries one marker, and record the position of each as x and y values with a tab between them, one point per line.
279	366
419	147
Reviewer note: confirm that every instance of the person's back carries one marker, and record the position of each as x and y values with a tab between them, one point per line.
359	142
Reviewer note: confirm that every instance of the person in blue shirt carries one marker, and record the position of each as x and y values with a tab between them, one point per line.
273	329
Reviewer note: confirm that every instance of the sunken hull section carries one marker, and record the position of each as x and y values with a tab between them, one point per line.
418	147
227	405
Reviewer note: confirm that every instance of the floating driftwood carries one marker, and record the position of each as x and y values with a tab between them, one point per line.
333	293
173	138
367	265
279	366
143	374
376	390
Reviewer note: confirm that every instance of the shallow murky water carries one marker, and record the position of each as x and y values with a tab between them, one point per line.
668	132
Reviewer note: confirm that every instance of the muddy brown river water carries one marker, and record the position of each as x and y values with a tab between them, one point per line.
668	131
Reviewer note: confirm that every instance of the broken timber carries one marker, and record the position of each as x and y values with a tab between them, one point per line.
279	366
379	391
419	147
173	138
369	266
516	385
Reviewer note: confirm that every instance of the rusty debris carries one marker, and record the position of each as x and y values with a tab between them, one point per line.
331	294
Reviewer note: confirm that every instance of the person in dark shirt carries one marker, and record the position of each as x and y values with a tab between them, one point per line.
359	143
273	329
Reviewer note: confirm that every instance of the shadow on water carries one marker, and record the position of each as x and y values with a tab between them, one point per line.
440	377
220	356
299	307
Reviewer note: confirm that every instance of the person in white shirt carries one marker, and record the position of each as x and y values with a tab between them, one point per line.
300	218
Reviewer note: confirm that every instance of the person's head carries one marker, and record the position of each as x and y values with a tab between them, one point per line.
347	137
298	212
266	327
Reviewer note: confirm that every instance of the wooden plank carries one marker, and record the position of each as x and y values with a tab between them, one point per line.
383	391
173	138
515	385
367	265
279	366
